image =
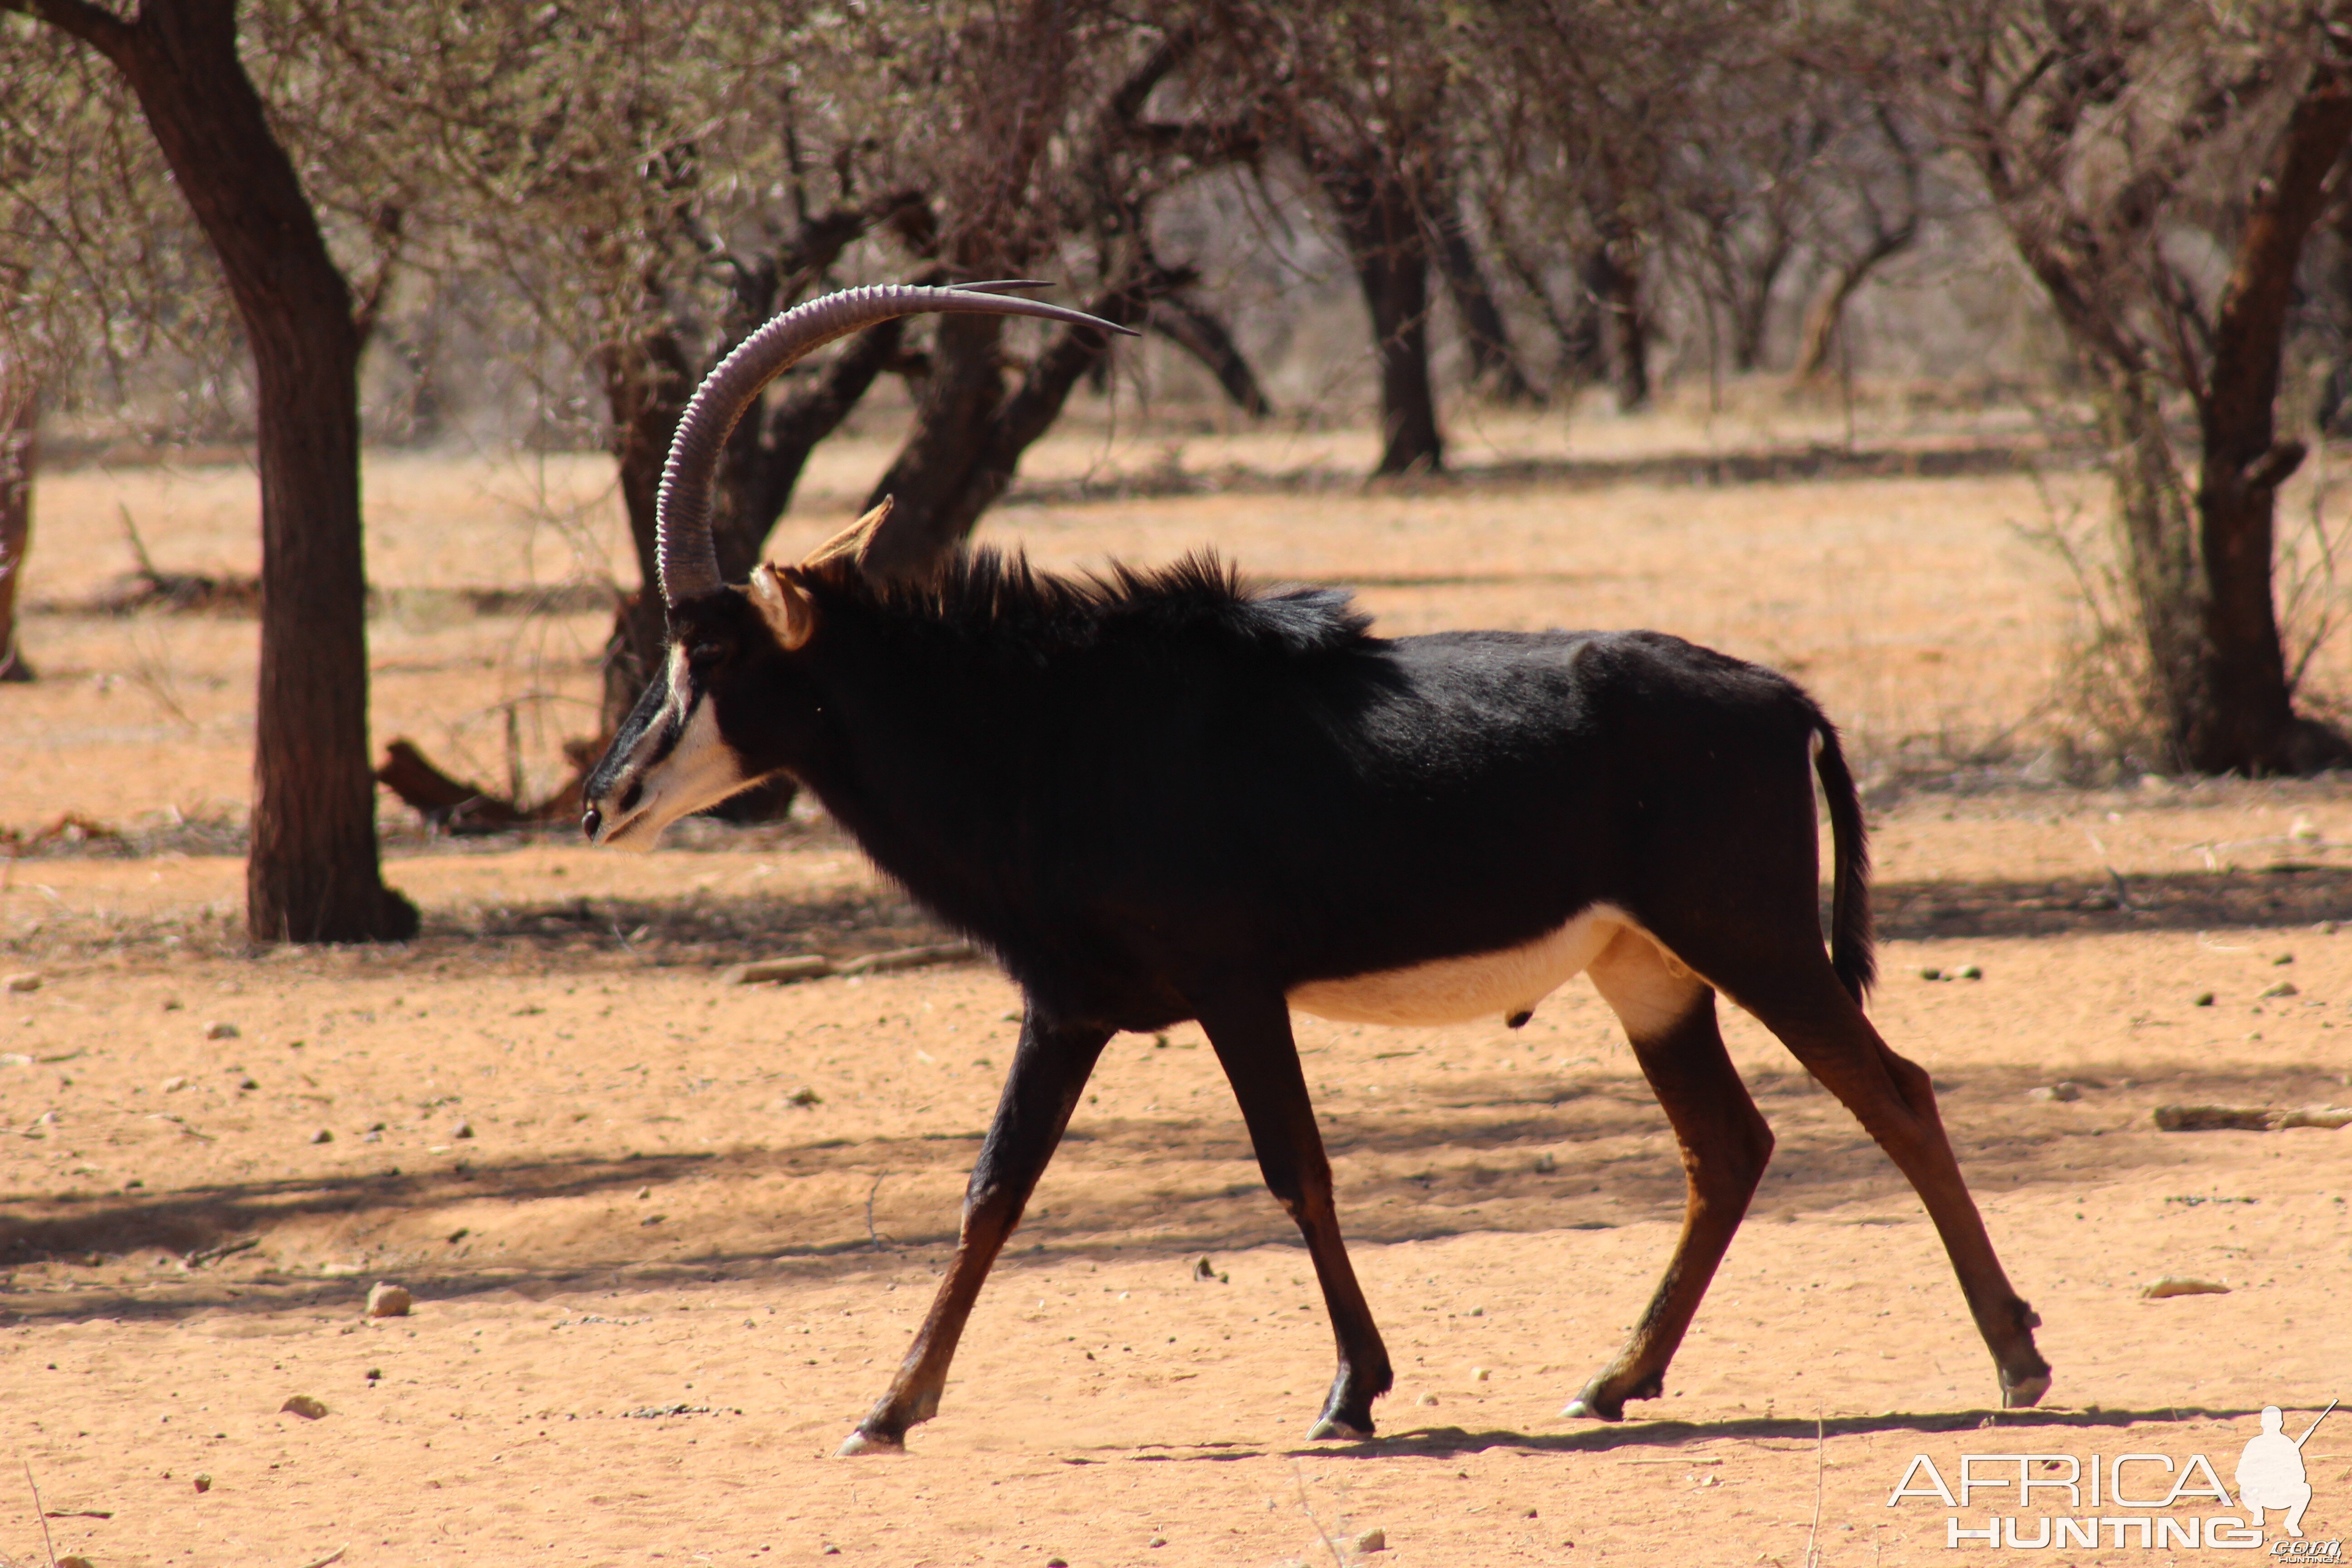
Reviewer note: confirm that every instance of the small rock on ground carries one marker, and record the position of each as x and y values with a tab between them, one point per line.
28	981
387	1301
303	1404
222	1029
1373	1539
2181	1285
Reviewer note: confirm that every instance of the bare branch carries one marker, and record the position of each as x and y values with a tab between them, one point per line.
101	29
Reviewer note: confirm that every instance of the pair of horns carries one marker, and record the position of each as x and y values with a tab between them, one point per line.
688	556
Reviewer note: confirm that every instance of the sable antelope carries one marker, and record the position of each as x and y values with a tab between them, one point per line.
1159	797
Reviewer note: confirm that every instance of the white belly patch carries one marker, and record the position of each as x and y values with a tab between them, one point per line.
1501	983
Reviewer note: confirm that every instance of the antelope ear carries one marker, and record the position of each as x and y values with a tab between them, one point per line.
784	605
854	541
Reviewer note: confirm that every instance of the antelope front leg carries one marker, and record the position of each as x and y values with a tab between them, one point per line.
1049	1068
1253	1044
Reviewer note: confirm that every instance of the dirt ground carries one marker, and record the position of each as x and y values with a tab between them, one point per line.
667	1236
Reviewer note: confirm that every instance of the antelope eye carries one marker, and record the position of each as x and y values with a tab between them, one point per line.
704	652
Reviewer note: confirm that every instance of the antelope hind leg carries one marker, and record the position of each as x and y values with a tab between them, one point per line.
1669	1016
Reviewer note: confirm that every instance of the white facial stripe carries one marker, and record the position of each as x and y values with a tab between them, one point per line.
702	770
1481	986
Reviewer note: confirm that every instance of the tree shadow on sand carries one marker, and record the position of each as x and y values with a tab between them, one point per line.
1595	1158
2285	893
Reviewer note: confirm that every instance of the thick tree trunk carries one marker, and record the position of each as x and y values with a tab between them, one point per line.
2248	722
1379	223
19	459
2245	721
312	873
934	475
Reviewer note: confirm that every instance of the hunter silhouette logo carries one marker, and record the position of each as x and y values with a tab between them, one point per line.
2269	1472
2040	1501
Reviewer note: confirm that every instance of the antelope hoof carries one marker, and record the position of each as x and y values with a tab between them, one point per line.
2025	1392
1602	1402
864	1442
1340	1429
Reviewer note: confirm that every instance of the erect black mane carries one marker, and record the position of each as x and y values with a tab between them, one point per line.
988	597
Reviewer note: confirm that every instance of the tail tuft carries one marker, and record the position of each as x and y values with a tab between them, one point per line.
1852	944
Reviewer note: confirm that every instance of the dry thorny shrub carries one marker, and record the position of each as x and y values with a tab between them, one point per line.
2102	715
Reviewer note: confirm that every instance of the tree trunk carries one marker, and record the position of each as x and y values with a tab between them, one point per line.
1577	330
1616	291
19	459
2247	723
1747	281
1381	224
1494	364
1823	317
1827	313
1194	328
312	873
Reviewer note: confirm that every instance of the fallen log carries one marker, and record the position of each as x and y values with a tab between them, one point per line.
455	806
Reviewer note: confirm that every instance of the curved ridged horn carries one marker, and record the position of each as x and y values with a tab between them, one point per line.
688	556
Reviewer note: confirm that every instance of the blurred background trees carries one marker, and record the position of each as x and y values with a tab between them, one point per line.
535	227
2158	170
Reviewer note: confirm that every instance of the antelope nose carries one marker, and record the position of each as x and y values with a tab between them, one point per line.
590	821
